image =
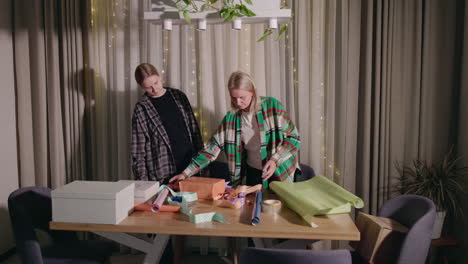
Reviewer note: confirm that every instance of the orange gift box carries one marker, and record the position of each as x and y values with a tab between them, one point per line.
206	188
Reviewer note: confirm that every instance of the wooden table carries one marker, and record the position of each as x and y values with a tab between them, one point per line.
285	224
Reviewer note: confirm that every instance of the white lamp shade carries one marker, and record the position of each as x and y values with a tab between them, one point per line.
202	24
237	24
273	23
167	24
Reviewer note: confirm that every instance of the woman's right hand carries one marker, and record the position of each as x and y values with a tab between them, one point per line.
177	178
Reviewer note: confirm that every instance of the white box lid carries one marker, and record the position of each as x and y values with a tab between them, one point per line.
91	190
144	189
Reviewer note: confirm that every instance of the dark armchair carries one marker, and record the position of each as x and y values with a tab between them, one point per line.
31	208
296	256
417	213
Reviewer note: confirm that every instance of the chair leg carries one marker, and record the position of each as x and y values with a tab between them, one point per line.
232	244
178	246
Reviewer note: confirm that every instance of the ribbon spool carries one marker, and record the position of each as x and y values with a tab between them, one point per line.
271	206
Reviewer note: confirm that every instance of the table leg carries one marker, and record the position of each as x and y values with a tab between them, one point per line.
156	250
232	244
178	246
204	245
153	250
258	242
127	240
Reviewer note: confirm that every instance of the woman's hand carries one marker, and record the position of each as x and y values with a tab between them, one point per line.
177	178
268	170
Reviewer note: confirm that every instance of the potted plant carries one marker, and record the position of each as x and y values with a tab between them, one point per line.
442	182
229	10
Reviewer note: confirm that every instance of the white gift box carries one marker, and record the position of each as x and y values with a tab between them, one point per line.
144	190
92	202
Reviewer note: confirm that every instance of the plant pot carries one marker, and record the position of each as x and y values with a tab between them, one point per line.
438	224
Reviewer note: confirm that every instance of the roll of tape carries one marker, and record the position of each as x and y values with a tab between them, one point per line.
271	206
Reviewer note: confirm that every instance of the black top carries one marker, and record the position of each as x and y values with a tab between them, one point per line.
176	130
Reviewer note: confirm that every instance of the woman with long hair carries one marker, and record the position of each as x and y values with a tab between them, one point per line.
258	137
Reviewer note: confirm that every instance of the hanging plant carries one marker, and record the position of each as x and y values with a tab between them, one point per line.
228	10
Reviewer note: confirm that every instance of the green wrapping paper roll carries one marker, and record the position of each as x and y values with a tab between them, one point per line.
317	196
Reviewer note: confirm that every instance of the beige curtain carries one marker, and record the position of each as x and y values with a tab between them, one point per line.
48	57
327	52
405	95
113	42
458	228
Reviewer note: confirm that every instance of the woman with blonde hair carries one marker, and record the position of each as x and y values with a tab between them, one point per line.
258	137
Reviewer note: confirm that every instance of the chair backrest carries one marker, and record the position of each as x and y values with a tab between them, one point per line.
31	208
417	213
296	256
307	173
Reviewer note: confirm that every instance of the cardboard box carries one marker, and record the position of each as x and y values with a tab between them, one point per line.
144	190
381	238
93	202
206	188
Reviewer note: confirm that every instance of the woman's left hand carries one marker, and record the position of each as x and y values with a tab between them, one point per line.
268	170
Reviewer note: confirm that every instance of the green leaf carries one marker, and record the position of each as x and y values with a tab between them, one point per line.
246	11
223	13
187	17
251	13
266	33
441	181
243	10
234	15
230	15
213	1
188	2
248	2
282	30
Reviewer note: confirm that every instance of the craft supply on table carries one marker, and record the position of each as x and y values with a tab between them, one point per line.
144	190
235	198
158	206
257	208
271	206
163	208
160	199
317	196
195	218
206	188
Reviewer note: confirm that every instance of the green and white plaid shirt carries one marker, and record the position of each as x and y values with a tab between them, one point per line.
279	139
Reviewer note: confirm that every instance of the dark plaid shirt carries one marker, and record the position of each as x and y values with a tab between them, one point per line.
152	157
